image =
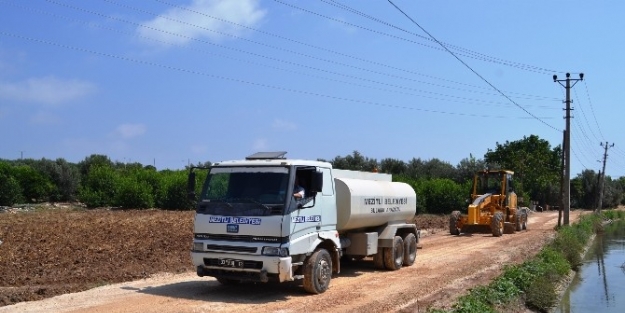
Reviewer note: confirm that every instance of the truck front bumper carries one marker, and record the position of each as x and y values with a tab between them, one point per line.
243	267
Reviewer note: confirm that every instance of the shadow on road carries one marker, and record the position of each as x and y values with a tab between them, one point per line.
210	290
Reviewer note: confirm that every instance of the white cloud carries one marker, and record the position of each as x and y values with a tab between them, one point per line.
130	130
283	125
47	90
197	23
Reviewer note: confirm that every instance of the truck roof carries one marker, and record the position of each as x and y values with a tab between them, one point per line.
273	162
274	158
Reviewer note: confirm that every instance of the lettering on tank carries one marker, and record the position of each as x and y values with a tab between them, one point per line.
385	204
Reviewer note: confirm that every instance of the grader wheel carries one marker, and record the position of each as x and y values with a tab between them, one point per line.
453	223
525	217
518	220
496	224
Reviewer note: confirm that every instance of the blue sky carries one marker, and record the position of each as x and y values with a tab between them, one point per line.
167	82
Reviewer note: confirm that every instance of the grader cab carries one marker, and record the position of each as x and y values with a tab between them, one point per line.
493	206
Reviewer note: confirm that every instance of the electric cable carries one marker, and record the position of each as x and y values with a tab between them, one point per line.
472	70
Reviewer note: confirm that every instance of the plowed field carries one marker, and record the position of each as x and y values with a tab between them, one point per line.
54	252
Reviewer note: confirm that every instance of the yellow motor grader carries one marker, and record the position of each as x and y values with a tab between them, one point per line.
493	206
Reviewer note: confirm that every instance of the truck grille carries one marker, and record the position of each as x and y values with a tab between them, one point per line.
232	248
245	238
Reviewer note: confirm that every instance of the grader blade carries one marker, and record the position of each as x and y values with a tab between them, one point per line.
478	229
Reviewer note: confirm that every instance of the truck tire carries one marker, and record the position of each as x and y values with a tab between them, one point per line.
378	259
410	249
394	256
318	272
453	223
518	220
496	224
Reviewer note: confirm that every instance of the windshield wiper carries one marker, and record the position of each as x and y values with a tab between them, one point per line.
228	204
256	202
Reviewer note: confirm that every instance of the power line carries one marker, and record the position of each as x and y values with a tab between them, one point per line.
467	52
581	107
195	72
520	95
457	99
592	109
471	69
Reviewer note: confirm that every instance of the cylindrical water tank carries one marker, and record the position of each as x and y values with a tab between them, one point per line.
365	203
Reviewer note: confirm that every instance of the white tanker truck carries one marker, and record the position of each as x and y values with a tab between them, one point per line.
249	227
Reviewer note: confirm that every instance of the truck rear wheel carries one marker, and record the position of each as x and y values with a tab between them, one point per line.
453	223
378	259
394	256
410	249
318	272
496	224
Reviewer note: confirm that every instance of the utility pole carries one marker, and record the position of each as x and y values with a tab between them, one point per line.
567	141
561	199
602	175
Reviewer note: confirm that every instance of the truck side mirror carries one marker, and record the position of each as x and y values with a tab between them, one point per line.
191	185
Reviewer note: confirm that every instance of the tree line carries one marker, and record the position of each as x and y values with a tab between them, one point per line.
441	187
96	182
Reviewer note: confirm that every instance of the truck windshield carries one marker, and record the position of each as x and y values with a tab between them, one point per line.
249	191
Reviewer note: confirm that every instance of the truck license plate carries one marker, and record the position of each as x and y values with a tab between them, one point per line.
231	263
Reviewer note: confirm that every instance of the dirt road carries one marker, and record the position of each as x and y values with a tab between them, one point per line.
446	267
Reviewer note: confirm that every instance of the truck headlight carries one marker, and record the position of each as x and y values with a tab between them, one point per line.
198	246
275	251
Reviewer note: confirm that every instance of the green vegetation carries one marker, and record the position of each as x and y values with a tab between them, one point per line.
96	182
440	186
534	282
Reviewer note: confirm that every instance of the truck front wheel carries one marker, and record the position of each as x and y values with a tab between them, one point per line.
394	256
318	272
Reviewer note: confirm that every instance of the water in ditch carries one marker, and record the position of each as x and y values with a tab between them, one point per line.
599	285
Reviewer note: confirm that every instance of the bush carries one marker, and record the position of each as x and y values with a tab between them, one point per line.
134	194
11	192
99	187
35	186
471	304
556	265
567	242
173	191
541	295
